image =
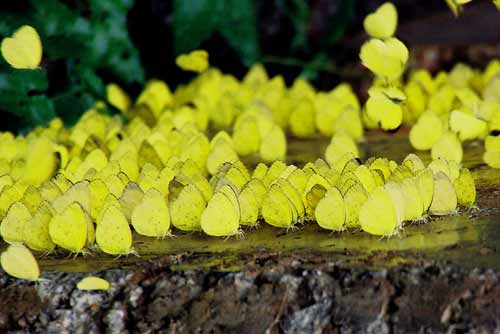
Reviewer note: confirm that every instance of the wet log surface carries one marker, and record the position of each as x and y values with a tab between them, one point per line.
438	277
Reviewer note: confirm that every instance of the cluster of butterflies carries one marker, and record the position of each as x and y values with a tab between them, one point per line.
456	6
96	199
453	108
444	111
172	159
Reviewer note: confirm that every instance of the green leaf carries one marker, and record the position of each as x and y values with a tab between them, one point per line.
62	47
71	104
110	43
341	21
238	24
91	82
299	13
11	103
39	110
314	66
10	22
194	22
22	82
35	110
53	18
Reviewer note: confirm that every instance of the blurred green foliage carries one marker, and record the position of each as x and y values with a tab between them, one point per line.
85	40
77	45
196	20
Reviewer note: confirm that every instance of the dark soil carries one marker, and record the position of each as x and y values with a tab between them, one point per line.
274	294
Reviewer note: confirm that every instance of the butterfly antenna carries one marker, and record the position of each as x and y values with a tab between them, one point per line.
134	252
240	235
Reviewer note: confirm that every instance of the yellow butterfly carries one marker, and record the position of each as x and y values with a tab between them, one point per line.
400	173
246	137
378	215
491	155
18	261
441	102
277	209
413	162
250	199
295	199
302	119
79	193
62	182
426	132
456	6
385	58
195	61
395	191
196	148
330	211
384	107
235	174
131	197
221	151
366	178
41	163
273	145
444	200
96	159
221	217
24	49
354	199
187	208
467	126
199	181
297	178
340	145
113	235
465	188
92	283
36	230
416	102
151	217
117	97
315	189
327	109
32	198
129	165
98	192
383	22
256	76
424	180
260	171
156	95
115	184
273	172
49	191
414	203
69	228
349	121
13	225
448	147
5	180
